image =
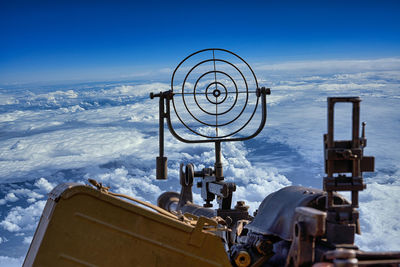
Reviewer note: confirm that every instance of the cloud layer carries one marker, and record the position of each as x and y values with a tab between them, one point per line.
108	132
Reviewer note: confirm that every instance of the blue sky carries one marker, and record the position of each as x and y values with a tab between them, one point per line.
67	131
94	40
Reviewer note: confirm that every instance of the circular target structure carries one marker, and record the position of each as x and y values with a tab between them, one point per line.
215	92
216	114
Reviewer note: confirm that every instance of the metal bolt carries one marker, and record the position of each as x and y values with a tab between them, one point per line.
240	203
243	259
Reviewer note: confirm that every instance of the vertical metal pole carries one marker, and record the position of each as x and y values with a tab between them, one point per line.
356	138
330	141
161	161
331	105
219	175
354	199
356	144
356	124
161	125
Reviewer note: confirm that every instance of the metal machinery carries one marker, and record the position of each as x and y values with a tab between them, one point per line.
214	98
294	226
212	105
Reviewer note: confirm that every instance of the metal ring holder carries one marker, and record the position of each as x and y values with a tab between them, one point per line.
214	92
215	100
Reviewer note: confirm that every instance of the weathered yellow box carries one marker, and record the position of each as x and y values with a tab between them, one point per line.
82	226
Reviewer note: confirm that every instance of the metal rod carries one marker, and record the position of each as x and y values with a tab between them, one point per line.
219	175
215	73
161	161
241	92
161	124
218	152
356	124
331	118
216	102
216	118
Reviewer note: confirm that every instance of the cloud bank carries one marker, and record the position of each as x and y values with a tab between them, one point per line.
108	132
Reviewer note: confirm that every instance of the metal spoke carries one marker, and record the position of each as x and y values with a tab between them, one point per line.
216	116
216	102
241	92
189	93
215	71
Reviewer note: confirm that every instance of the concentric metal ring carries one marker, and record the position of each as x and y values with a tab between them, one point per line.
216	93
211	113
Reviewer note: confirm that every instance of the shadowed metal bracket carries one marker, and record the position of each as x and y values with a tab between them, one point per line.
341	157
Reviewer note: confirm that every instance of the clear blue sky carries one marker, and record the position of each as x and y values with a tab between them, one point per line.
67	40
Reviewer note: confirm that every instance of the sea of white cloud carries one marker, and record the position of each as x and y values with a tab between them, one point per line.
109	132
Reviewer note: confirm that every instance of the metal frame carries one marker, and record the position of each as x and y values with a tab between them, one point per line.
341	157
212	184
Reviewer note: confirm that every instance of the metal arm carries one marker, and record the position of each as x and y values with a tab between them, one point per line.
161	161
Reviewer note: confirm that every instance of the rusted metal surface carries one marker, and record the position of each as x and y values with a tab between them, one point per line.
343	158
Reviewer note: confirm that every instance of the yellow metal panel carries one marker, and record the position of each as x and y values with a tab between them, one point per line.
86	227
